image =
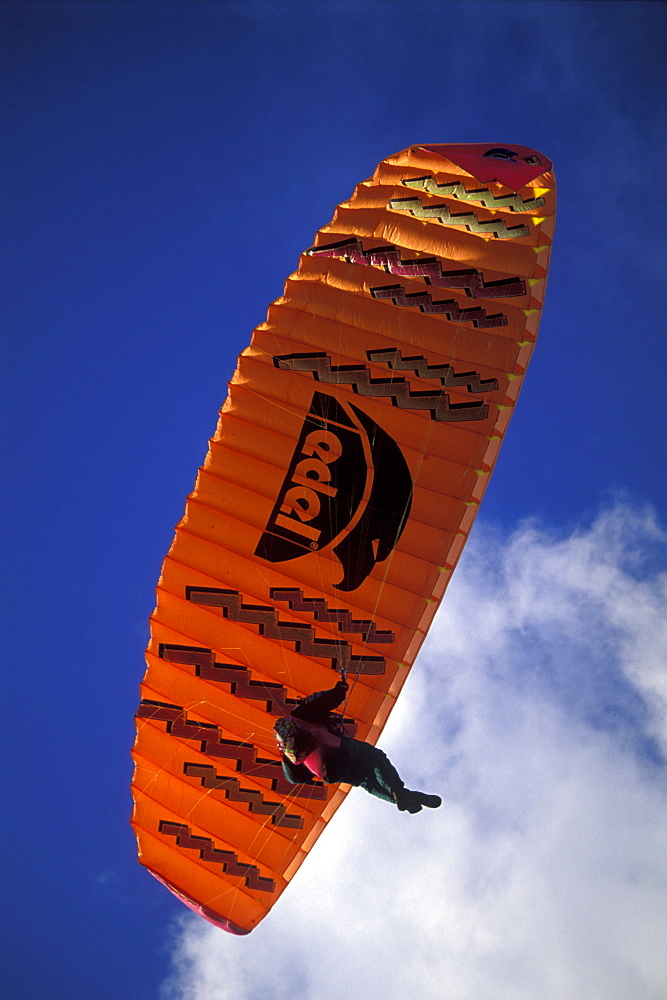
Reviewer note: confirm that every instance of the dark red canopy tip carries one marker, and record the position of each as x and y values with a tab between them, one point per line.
512	165
203	911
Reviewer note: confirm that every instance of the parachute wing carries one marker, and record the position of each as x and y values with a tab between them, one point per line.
351	456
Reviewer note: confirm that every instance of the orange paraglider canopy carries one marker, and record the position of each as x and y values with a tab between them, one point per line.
350	459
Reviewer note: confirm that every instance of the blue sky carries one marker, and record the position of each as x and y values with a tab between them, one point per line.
166	163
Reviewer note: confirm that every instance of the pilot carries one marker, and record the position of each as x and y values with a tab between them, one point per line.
314	745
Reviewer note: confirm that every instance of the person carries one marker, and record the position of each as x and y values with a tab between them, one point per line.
314	745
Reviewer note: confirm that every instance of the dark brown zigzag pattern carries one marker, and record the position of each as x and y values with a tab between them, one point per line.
213	744
273	695
429	268
303	636
320	609
208	852
257	804
514	202
441	213
445	373
358	377
446	307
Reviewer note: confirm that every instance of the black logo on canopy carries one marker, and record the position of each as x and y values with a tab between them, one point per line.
348	486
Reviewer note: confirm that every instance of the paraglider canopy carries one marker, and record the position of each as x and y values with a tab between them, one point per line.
349	462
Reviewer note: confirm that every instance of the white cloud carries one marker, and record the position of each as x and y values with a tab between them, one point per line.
538	710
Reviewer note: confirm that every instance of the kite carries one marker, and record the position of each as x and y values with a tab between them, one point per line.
352	453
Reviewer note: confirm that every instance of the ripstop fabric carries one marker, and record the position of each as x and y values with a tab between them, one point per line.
350	459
